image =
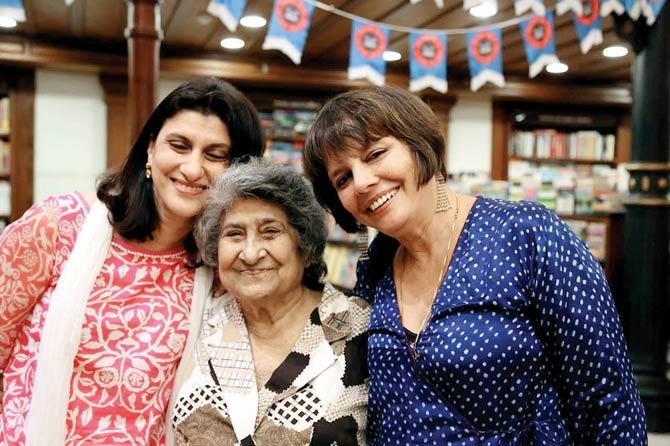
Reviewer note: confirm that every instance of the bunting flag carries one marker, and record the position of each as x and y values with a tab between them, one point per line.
588	26
539	41
563	6
485	58
607	7
13	9
651	8
428	62
536	6
228	11
288	28
633	8
368	43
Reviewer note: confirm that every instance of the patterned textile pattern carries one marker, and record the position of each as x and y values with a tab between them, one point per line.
133	336
317	395
523	346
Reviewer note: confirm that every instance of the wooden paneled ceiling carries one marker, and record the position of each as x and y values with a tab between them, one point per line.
190	31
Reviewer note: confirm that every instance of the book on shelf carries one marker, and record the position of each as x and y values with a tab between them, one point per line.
5	197
5	166
341	263
5	126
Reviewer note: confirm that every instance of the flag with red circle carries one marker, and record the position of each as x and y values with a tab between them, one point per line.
539	41
485	58
228	11
588	25
368	43
428	61
288	28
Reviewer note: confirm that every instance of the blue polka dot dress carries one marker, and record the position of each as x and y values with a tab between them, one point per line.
523	346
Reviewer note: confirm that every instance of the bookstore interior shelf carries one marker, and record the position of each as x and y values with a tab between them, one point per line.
533	159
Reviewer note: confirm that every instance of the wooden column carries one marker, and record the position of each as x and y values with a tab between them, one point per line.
144	35
118	124
22	99
647	232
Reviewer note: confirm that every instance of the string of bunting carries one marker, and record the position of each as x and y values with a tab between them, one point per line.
290	24
291	19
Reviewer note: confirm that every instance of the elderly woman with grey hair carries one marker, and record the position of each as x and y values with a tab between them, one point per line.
281	356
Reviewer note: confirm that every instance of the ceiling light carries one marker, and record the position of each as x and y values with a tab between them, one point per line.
232	43
484	10
615	51
7	22
557	68
253	21
391	56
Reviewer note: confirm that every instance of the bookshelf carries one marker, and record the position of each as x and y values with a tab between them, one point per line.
567	158
17	92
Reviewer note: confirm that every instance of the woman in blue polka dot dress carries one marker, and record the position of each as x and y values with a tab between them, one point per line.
492	324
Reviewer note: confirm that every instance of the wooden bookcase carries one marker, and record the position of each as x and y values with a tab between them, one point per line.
513	119
17	86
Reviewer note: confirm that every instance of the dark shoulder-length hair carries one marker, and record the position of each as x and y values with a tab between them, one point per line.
125	190
355	120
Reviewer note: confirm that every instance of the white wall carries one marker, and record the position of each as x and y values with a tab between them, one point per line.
469	144
70	132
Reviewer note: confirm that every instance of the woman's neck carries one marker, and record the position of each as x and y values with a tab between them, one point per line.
270	317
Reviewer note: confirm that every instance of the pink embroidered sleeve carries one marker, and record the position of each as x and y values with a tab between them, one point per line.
27	258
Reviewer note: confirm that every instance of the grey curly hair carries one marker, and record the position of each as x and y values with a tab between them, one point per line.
266	180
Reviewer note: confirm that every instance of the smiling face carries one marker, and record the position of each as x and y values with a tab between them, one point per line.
259	258
190	150
378	185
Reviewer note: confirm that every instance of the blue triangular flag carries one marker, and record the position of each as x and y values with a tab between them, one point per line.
428	61
539	41
633	8
228	11
485	58
651	8
607	7
521	6
288	28
13	9
588	26
368	43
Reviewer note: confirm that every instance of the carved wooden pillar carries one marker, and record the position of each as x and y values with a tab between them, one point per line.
118	122
144	36
647	240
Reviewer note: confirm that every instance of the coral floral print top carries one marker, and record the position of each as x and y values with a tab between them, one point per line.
133	336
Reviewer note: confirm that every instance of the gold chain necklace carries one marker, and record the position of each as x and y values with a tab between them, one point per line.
437	287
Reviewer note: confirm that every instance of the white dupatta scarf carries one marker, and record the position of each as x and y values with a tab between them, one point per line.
61	334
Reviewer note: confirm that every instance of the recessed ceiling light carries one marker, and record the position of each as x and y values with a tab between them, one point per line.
615	51
484	10
391	56
232	43
7	22
557	68
253	21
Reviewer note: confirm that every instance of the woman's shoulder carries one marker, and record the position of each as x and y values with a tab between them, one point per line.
352	309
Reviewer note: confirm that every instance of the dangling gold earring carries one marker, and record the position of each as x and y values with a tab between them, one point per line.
443	202
362	237
147	170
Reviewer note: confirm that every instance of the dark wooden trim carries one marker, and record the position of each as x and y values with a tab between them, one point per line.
21	88
118	125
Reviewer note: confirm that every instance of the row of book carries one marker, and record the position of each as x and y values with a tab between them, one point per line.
593	233
4	116
551	143
341	262
286	153
5	166
5	198
281	123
